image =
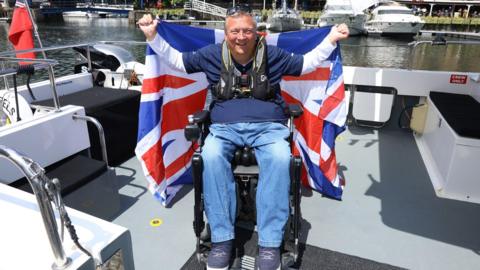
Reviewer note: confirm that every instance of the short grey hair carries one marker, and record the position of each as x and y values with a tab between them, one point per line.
239	14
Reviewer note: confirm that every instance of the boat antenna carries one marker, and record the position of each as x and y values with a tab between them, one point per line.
51	74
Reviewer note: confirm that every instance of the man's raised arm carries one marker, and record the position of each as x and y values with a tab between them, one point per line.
313	59
148	25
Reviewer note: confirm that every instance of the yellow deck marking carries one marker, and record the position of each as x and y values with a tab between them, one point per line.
156	222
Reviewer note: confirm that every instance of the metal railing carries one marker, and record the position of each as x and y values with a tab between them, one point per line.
36	64
39	182
204	7
9	56
101	134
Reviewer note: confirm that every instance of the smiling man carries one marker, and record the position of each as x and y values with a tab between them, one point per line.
247	109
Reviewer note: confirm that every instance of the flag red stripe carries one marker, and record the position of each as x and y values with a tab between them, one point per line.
309	125
175	113
154	85
332	102
320	74
179	163
153	160
329	167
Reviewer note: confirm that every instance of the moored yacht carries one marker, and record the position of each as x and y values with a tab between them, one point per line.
393	19
345	11
410	202
285	19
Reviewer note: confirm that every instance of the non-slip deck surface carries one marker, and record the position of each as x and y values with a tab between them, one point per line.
310	257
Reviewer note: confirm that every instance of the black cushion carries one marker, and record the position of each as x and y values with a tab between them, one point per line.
94	99
462	112
73	173
117	111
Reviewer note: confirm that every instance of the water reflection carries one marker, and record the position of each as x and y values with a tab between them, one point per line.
357	51
376	52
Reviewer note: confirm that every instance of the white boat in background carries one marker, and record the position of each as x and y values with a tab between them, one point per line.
75	14
285	19
99	10
412	197
393	19
348	12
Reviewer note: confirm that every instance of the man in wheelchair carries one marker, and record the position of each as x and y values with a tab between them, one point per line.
247	110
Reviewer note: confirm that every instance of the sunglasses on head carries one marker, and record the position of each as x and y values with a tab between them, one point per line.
239	8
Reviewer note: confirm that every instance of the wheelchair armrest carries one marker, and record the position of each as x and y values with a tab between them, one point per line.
197	122
295	110
199	117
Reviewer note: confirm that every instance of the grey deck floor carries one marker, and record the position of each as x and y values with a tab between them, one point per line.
389	211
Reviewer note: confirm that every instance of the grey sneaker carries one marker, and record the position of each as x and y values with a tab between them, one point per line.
268	258
219	256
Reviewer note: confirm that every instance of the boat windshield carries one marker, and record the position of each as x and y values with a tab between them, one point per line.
395	11
338	7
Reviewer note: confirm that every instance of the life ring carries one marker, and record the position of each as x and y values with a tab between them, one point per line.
8	111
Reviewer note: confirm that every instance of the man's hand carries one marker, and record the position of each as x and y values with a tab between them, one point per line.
149	26
338	32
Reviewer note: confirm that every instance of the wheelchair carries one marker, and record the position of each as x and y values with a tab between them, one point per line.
245	171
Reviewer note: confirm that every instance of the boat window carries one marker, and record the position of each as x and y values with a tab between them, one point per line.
395	11
338	7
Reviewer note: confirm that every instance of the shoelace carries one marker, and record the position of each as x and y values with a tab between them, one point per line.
267	255
218	253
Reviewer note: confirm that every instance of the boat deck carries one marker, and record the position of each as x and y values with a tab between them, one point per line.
389	213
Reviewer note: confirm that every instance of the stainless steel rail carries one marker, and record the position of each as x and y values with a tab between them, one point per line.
101	134
38	181
56	48
48	63
51	73
40	64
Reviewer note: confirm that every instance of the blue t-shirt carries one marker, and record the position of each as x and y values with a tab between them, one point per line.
280	62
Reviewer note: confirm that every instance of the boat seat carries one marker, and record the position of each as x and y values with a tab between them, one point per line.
86	185
93	99
73	172
116	110
462	112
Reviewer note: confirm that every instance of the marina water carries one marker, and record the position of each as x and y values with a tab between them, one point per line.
356	51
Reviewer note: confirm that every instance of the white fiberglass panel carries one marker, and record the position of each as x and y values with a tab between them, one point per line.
45	139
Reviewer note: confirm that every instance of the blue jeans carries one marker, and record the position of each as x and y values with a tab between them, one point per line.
273	157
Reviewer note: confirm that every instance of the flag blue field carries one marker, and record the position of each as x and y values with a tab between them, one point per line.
169	96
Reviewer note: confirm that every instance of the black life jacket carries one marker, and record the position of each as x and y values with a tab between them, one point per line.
253	84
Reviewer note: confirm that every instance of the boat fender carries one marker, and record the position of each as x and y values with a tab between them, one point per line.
8	111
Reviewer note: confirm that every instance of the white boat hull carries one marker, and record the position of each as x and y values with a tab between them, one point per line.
393	28
75	14
393	19
283	24
355	22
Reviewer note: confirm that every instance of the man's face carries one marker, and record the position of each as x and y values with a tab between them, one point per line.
240	34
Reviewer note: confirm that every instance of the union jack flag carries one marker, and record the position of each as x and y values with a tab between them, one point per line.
169	96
